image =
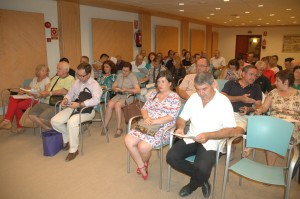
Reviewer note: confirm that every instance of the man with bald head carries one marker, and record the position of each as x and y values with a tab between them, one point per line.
187	88
42	113
139	65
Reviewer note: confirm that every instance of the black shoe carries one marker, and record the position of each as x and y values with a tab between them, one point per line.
206	189
186	190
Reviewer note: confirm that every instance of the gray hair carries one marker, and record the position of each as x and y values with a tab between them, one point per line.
204	78
66	66
261	63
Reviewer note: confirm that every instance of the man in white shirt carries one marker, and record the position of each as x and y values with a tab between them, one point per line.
212	118
139	65
67	120
218	63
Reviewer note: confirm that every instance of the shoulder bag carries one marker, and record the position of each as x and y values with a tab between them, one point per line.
131	110
55	98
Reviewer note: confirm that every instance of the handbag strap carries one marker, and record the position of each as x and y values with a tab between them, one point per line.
54	83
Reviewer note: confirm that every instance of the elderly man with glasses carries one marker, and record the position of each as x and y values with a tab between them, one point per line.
66	122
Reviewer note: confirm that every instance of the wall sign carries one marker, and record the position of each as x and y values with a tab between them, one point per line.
54	33
291	44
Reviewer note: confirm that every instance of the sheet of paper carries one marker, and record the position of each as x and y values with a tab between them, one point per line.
30	91
22	96
184	136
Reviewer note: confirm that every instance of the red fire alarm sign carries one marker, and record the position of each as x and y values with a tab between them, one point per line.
54	33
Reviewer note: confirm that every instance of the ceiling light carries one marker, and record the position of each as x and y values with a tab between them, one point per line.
181	4
218	8
230	19
260	6
254	40
181	10
292	17
295	22
207	17
226	0
272	15
212	14
247	12
237	17
288	9
225	21
257	25
267	23
259	19
278	20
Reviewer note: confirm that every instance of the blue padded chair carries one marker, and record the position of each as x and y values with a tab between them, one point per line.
268	133
221	83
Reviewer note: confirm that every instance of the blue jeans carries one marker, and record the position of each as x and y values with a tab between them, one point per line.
200	170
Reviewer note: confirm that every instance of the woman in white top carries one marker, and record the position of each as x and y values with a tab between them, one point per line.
16	106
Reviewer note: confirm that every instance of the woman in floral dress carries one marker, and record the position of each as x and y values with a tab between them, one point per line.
162	108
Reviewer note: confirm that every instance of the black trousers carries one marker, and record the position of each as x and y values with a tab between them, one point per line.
200	170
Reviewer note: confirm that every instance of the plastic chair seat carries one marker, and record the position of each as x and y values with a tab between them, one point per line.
259	172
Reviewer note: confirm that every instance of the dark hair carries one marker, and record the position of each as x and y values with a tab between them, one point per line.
112	66
286	75
64	59
246	68
289	59
187	52
235	63
276	56
149	55
170	51
86	67
85	57
103	55
296	68
168	75
240	57
127	65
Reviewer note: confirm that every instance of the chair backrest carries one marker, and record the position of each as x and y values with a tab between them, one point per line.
139	75
26	83
269	133
221	83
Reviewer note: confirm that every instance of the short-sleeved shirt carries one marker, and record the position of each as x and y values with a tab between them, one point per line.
62	83
233	88
220	61
153	72
216	115
270	75
264	83
39	86
126	82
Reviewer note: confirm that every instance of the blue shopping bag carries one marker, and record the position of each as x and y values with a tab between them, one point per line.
52	142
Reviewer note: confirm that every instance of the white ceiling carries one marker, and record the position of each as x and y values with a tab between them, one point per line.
231	13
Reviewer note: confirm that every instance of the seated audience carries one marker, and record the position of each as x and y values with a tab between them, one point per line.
241	62
143	53
177	70
126	83
108	77
98	65
251	58
187	59
161	108
261	80
16	106
150	59
297	77
67	120
139	65
192	69
232	71
218	63
71	70
169	59
268	72
42	113
187	87
119	64
275	59
284	103
212	119
85	59
287	64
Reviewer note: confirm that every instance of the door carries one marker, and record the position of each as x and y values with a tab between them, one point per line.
248	43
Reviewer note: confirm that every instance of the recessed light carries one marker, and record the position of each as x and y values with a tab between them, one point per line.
230	19
218	8
207	17
260	6
294	21
267	23
259	19
212	14
272	15
237	17
278	20
181	10
257	25
181	4
226	0
293	17
288	9
225	21
247	12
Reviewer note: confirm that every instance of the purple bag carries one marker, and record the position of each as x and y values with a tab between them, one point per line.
52	142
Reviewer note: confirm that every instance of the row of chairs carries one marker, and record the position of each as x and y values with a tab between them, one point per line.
263	132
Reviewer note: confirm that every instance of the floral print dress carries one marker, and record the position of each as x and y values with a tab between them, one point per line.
287	108
156	109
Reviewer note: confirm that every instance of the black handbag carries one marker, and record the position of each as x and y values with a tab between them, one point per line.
83	95
55	98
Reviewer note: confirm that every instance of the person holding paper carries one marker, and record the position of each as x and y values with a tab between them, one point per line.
211	116
16	106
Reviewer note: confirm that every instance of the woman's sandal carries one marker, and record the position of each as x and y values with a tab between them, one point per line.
145	177
145	165
103	133
5	124
118	134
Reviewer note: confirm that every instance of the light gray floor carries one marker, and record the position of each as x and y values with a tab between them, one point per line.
100	173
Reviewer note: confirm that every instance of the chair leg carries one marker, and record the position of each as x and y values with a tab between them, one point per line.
160	167
128	162
103	126
168	178
81	138
226	170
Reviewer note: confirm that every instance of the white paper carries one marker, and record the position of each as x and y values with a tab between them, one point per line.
184	136
30	91
22	96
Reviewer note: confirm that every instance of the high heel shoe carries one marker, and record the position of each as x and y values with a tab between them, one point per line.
145	165
145	177
118	134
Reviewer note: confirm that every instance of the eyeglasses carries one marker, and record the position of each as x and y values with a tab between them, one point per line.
81	76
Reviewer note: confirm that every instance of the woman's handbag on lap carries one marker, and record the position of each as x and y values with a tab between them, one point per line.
52	142
147	129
